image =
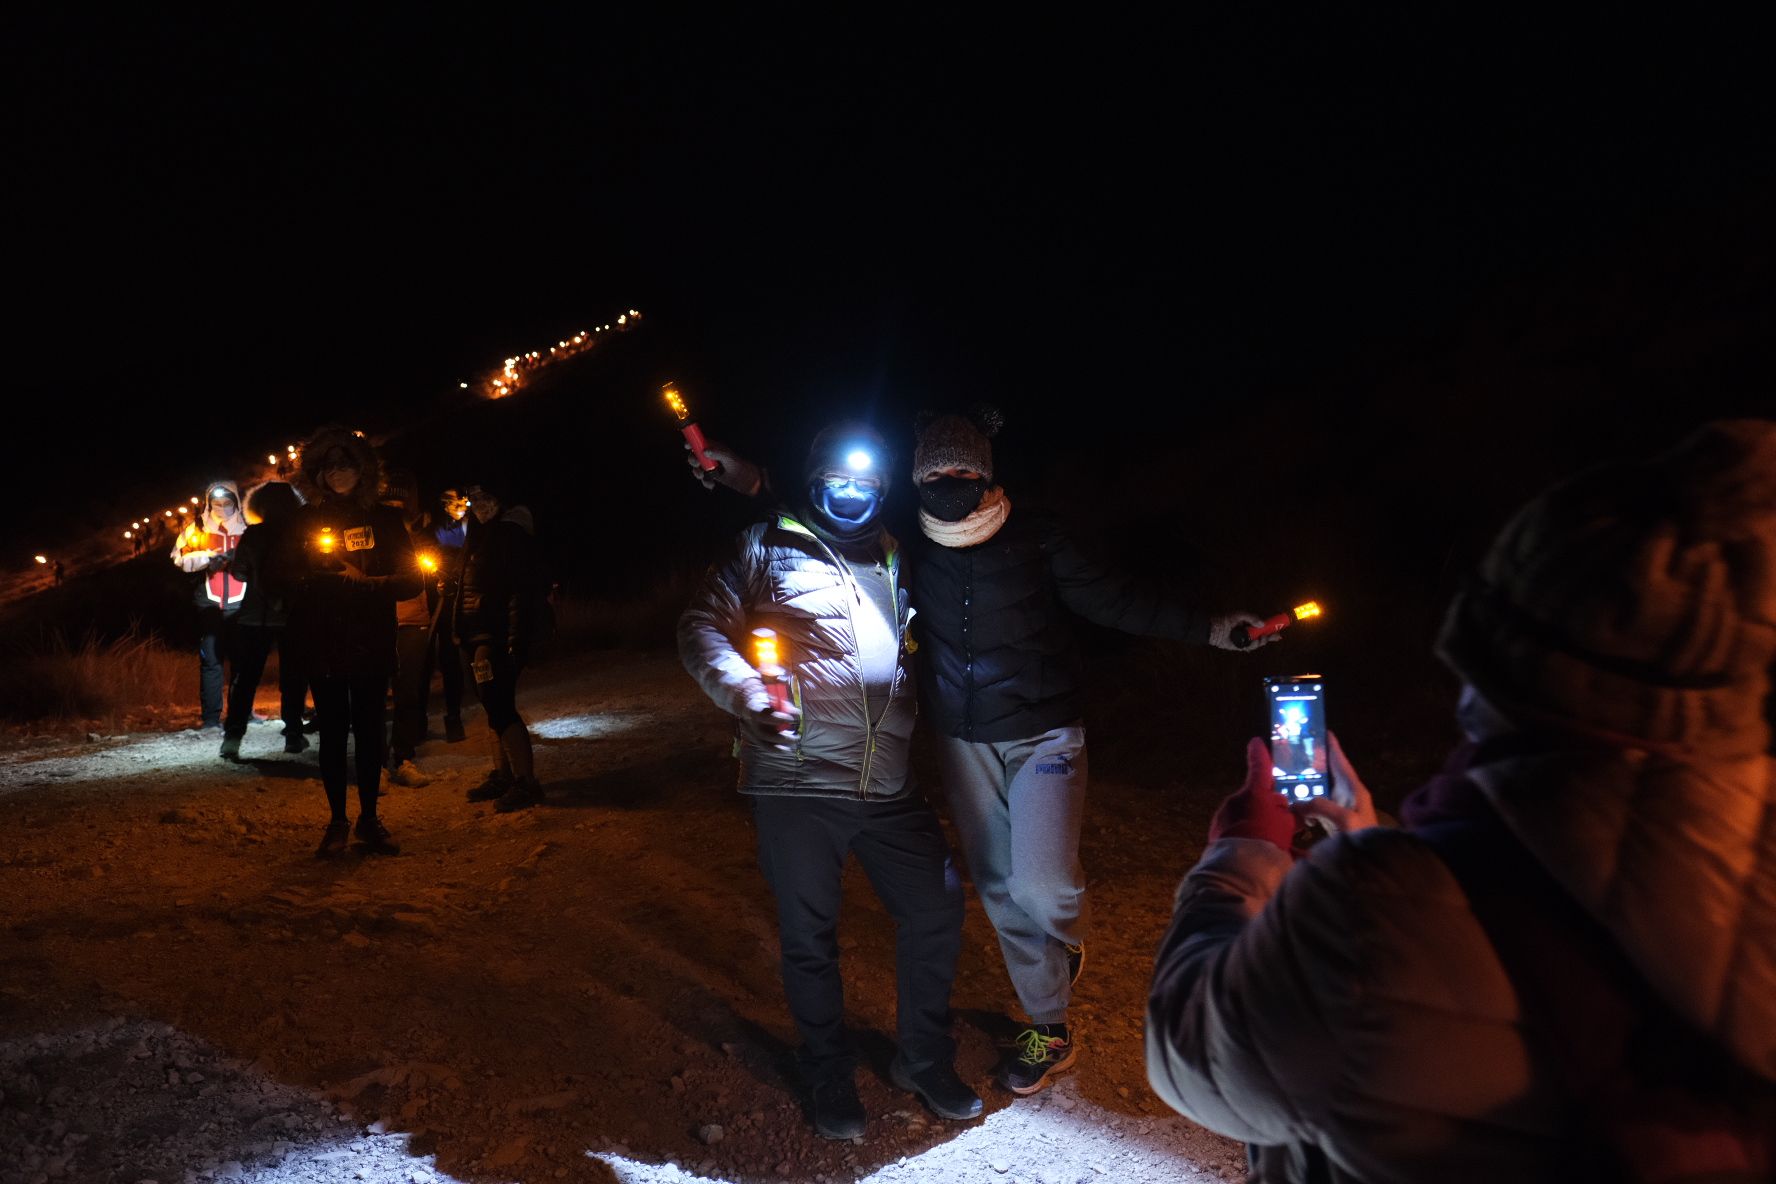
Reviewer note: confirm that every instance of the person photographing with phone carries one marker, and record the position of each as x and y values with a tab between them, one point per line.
1563	966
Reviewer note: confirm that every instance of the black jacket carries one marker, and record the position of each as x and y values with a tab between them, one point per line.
340	626
500	592
997	656
263	606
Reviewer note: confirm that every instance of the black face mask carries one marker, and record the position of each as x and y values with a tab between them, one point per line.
951	499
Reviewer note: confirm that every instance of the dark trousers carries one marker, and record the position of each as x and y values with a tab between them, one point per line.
216	644
253	648
351	704
412	672
499	696
803	842
444	654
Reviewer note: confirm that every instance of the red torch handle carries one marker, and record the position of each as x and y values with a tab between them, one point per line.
778	689
694	437
1271	625
1245	635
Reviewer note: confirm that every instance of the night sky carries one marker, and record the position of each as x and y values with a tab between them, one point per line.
225	233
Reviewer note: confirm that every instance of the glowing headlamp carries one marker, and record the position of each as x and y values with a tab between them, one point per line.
1244	635
859	461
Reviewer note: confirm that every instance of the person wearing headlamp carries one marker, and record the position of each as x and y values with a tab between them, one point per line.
830	776
205	548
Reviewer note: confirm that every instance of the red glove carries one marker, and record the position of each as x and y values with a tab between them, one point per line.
1257	810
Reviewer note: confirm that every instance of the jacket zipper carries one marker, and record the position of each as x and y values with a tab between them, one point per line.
869	727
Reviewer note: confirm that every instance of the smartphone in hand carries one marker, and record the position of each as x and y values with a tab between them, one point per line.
1295	709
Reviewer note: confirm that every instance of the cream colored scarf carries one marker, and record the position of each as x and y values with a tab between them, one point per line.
977	528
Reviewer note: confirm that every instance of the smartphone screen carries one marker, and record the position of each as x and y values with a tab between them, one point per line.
1299	758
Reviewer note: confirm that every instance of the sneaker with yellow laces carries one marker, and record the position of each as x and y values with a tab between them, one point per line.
1039	1051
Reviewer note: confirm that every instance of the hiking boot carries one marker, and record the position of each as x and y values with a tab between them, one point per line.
295	742
494	786
375	836
453	730
939	1088
524	793
838	1114
1038	1052
409	775
1075	963
230	748
335	840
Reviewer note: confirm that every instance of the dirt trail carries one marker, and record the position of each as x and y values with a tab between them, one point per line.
584	991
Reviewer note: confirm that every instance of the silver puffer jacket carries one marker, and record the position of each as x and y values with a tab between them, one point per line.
785	578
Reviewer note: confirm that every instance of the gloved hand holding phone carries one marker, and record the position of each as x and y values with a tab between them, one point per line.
1257	811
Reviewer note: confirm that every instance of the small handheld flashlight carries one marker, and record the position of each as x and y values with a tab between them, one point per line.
692	433
1244	635
769	665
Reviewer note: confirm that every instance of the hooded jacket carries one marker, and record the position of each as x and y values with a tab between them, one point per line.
1379	1012
206	547
785	578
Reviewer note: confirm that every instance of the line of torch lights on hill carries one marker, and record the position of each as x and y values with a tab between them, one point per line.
513	376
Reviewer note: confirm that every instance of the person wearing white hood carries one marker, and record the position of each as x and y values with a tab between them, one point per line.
204	549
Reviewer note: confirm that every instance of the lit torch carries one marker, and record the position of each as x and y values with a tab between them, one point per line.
427	562
194	538
1245	635
769	664
325	542
692	433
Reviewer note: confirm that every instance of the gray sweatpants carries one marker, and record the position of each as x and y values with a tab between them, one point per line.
1017	806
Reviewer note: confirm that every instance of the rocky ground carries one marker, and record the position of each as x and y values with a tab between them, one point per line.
584	991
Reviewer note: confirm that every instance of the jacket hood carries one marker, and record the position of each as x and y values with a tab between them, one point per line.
235	523
309	485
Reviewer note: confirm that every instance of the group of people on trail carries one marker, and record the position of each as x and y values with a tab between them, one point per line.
1560	966
362	593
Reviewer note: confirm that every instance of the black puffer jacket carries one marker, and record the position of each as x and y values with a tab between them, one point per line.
263	606
997	656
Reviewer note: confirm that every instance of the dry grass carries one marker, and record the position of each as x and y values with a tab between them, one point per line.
91	679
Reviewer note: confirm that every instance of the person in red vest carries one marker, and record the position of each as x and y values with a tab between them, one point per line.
204	549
